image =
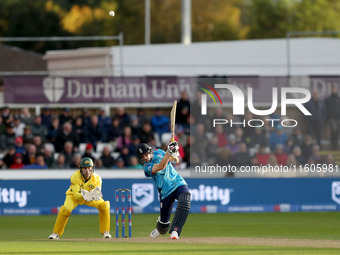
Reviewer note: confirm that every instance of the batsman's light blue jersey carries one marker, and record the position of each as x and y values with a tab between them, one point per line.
167	180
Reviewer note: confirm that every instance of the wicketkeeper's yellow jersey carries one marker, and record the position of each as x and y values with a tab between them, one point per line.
78	183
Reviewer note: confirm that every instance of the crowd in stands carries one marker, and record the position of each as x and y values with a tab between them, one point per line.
266	145
60	141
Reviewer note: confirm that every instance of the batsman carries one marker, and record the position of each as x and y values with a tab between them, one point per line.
85	189
170	185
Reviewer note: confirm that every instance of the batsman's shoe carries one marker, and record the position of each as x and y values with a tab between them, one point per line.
174	235
106	235
154	234
54	236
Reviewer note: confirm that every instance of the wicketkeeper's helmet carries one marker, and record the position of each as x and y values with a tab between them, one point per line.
86	162
142	149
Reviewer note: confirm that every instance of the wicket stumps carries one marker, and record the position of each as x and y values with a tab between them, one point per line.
122	203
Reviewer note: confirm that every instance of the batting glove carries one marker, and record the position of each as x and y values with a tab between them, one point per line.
173	148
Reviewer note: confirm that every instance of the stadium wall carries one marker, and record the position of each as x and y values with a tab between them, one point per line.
35	196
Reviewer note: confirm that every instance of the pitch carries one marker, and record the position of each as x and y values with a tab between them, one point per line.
254	233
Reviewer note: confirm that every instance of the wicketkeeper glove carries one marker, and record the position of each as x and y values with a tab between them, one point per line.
173	149
86	195
96	193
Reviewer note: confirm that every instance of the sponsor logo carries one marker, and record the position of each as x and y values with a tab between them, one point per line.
11	196
142	194
336	192
53	88
210	193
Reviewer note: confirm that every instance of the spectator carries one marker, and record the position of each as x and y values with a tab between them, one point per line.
119	163
136	128
135	141
68	153
239	135
280	155
65	116
8	159
183	109
160	122
52	130
272	161
19	146
99	164
49	158
60	163
147	133
17	162
316	157
26	117
18	126
94	132
289	146
262	156
2	127
232	145
89	152
300	159
142	118
291	160
28	136
124	139
8	138
329	160
46	117
133	164
113	132
297	136
38	164
85	117
316	121
307	146
124	118
106	158
125	155
277	137
38	128
221	136
200	135
257	138
38	144
80	129
333	114
75	161
242	157
30	157
6	115
104	121
66	134
225	158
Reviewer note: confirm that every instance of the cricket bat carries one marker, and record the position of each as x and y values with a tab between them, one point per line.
173	121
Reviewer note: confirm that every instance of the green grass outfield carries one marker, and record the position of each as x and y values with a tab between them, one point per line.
250	233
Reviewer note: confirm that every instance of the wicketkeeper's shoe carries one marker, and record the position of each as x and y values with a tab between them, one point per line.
106	235
154	234
174	235
54	236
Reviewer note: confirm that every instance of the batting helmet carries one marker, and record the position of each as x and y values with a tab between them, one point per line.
142	149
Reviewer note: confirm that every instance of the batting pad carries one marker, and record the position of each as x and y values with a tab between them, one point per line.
104	217
182	212
61	221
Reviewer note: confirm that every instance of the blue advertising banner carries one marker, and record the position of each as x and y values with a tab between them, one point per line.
208	195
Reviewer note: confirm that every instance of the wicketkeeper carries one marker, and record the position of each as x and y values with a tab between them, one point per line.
171	186
85	189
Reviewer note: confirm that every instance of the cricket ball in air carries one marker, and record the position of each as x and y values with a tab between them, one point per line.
112	13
